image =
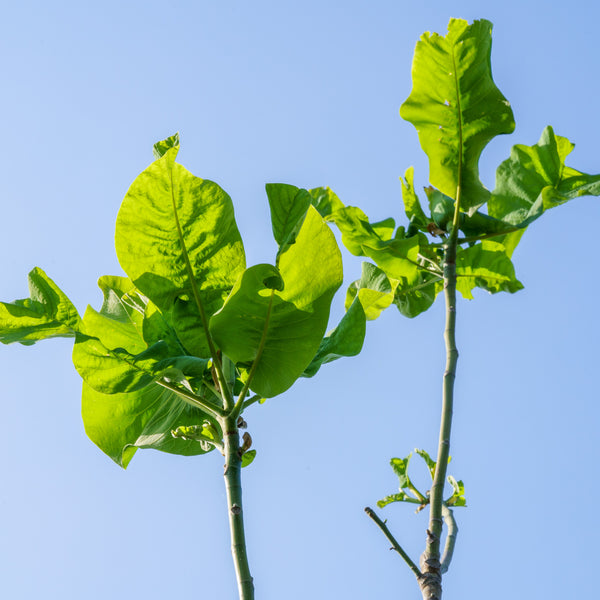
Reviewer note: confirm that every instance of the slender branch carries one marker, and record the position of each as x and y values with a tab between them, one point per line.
432	550
452	527
251	401
233	485
215	411
477	238
395	545
431	582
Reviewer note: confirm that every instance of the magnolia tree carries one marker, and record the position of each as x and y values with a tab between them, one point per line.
191	338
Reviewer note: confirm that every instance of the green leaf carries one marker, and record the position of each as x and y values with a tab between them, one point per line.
412	205
288	206
458	496
535	179
161	148
398	497
479	224
278	328
345	340
47	313
248	458
120	423
431	464
384	229
400	467
105	348
414	295
441	208
156	327
206	435
374	290
122	301
177	239
110	351
110	371
355	229
456	107
325	201
485	265
397	256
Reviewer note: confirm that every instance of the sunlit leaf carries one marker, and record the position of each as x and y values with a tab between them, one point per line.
325	201
176	238
535	179
288	206
458	495
161	148
398	497
274	319
47	313
120	423
414	295
374	290
248	458
456	107
400	467
345	340
412	206
485	265
431	464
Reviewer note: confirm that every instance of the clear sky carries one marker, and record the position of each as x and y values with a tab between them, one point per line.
304	93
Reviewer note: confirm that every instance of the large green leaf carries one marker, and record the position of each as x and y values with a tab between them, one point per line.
456	107
47	313
111	351
345	340
120	423
288	206
105	364
414	295
374	291
122	406
275	318
176	238
397	257
535	179
485	265
325	200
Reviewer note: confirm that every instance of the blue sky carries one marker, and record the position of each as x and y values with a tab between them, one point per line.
308	94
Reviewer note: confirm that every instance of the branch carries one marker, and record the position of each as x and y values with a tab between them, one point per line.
233	486
450	538
395	545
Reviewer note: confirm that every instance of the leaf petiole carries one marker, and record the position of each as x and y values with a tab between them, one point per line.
193	400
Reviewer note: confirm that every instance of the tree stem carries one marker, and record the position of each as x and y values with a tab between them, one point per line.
431	582
233	485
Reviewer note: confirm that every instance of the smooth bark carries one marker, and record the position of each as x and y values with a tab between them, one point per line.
233	484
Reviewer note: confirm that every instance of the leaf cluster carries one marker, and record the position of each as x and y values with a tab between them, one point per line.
457	109
411	494
171	358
